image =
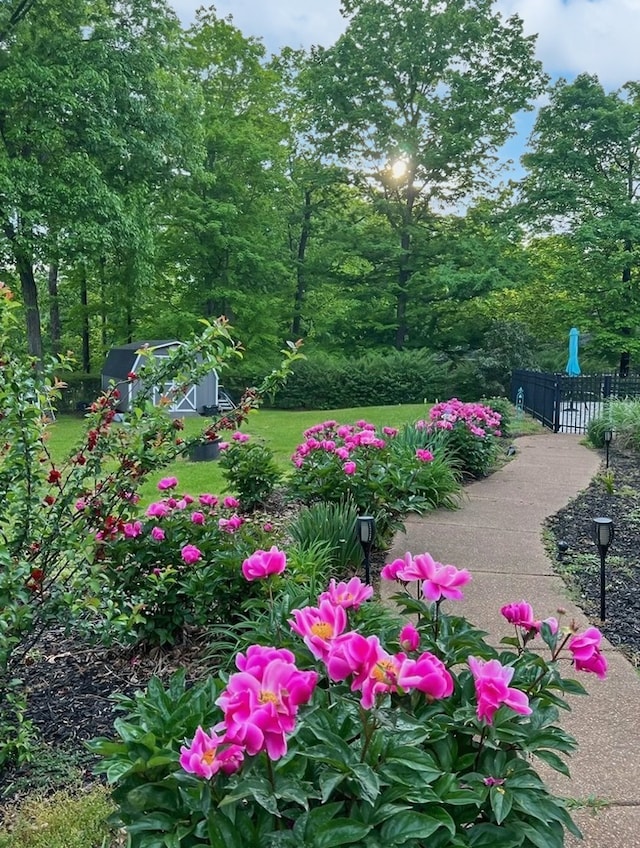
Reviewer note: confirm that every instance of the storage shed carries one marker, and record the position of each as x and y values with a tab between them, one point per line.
199	399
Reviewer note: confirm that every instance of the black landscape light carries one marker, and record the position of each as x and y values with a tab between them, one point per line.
366	530
608	436
603	531
563	547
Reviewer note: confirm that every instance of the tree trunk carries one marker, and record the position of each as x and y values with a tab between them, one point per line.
103	305
402	298
55	327
84	302
305	232
29	297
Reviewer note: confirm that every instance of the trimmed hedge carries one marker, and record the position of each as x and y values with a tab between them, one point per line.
322	382
81	389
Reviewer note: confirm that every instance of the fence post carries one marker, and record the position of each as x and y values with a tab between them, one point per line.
606	386
557	401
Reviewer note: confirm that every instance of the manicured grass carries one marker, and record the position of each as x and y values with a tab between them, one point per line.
281	430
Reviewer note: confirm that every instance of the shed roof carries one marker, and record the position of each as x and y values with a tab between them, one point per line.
121	358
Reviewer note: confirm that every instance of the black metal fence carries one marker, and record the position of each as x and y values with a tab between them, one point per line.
566	404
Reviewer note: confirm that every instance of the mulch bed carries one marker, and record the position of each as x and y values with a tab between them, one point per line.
69	684
615	494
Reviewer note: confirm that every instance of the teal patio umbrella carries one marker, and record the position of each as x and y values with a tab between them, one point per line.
573	366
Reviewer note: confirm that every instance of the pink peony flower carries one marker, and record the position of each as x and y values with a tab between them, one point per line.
260	704
585	648
319	626
240	437
424	455
342	453
157	510
520	615
409	638
167	483
230	525
267	527
382	677
231	503
353	654
197	517
390	431
158	534
208	500
346	595
391	570
492	689
427	674
261	564
190	554
132	530
445	582
349	468
206	755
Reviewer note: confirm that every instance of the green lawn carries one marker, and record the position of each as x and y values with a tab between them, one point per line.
281	430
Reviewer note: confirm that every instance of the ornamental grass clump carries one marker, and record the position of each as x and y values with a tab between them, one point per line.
470	432
357	464
333	735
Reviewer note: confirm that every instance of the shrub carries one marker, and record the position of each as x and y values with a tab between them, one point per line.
329	382
176	565
471	431
249	469
346	740
357	464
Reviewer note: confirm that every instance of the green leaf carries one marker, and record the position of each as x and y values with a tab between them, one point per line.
501	802
553	760
339	832
416	825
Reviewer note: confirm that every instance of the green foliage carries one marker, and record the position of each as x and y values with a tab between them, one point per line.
61	820
408	768
623	418
79	389
323	382
596	429
358	465
332	524
469	434
148	585
250	470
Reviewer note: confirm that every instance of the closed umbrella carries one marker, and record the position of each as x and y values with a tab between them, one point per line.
573	366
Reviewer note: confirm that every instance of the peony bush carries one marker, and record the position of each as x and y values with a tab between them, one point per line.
379	473
469	431
338	735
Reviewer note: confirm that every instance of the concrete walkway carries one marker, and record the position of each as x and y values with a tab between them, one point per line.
497	535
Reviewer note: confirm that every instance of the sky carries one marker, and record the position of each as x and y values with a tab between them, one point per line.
574	36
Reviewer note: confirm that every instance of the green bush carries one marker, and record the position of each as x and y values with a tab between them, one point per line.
470	432
80	389
325	382
359	465
249	469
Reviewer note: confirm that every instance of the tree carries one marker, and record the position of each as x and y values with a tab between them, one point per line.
584	178
417	96
85	99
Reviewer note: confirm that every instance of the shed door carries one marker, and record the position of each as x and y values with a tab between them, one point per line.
182	403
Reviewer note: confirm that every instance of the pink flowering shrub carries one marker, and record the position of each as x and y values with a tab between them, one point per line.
176	565
469	432
342	725
376	470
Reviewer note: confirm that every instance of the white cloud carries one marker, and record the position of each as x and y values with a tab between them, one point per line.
293	23
583	36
